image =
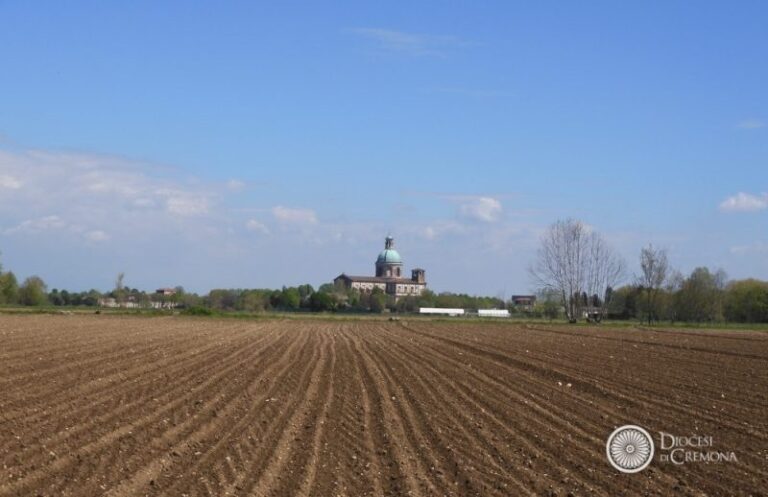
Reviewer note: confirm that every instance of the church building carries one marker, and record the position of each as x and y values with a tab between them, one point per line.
389	276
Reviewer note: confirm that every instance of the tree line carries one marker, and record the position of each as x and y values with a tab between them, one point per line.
32	291
326	298
704	296
330	298
579	272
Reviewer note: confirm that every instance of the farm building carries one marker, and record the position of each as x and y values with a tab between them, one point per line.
493	313
524	302
389	276
441	311
128	303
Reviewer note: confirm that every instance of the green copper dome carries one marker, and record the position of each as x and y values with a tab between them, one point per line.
389	256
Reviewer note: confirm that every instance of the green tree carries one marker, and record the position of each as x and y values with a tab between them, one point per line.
304	293
290	298
178	295
55	297
450	300
322	302
353	299
90	298
9	288
327	288
746	301
143	299
408	303
427	299
378	300
700	296
254	300
33	291
222	299
549	304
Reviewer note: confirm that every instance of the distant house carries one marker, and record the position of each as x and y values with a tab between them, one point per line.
524	302
129	303
162	299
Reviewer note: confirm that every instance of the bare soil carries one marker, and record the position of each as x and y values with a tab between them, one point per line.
125	406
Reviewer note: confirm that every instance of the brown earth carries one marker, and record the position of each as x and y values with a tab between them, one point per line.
122	406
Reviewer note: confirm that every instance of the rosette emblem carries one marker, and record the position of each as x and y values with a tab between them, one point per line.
629	449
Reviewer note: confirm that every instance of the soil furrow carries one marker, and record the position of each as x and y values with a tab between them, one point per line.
349	407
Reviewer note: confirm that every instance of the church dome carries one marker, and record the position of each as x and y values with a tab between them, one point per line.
389	256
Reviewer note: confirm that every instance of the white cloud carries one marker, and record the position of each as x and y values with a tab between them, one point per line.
289	215
486	209
96	236
752	124
235	185
744	202
9	182
38	225
414	44
89	216
256	226
54	180
752	248
184	204
439	229
79	194
143	202
57	226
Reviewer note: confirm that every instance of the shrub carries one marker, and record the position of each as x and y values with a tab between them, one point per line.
197	311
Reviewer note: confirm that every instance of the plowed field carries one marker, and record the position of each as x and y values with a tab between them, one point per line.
121	406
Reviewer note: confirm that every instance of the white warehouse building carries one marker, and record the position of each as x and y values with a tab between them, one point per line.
439	311
493	313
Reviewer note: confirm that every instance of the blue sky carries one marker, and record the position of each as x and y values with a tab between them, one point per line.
246	145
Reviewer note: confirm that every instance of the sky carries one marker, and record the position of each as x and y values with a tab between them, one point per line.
261	144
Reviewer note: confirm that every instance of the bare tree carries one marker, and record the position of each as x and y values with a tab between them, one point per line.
675	282
119	287
574	260
721	283
605	269
559	263
654	265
